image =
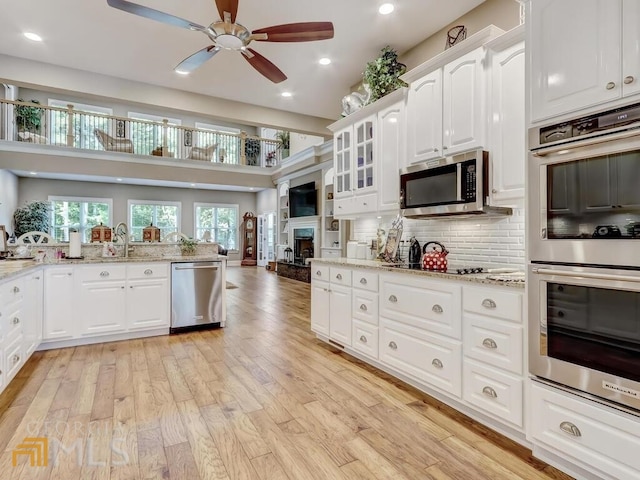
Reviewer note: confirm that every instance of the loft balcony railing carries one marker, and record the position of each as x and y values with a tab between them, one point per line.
68	127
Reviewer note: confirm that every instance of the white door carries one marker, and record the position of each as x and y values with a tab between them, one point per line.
390	154
508	126
424	118
340	314
148	304
630	47
365	155
575	55
59	304
320	298
32	326
101	307
342	161
463	103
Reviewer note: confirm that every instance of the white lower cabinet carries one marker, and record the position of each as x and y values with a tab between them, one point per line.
13	357
597	438
147	303
101	307
320	298
59	303
33	308
340	314
365	338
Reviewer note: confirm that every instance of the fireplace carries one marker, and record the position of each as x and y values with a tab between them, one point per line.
302	244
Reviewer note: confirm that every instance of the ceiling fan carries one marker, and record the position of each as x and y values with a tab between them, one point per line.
229	35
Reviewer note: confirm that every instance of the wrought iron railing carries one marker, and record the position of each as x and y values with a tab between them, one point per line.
68	127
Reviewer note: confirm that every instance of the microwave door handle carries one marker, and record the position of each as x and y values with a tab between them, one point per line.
459	183
595	276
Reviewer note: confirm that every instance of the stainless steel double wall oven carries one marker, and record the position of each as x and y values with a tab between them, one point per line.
584	246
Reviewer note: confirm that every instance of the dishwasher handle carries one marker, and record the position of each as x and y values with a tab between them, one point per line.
201	267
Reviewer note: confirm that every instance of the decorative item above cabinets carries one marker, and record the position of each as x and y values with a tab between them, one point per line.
447	102
368	149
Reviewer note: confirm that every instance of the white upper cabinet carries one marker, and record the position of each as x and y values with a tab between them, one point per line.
365	147
583	53
507	143
391	125
424	118
342	148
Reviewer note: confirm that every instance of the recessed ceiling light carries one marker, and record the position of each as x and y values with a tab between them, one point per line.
324	61
286	94
386	8
251	188
33	36
193	184
393	120
33	173
182	72
119	179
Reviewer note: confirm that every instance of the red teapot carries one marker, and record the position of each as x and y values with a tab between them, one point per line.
434	260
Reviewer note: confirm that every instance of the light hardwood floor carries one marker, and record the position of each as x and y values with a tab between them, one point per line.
261	399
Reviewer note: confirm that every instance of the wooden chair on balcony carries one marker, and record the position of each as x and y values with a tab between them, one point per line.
111	144
205	154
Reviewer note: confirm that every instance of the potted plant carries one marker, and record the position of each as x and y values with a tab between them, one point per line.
252	150
284	142
28	118
382	75
33	217
188	246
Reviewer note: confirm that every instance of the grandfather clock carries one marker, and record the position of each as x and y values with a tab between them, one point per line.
249	239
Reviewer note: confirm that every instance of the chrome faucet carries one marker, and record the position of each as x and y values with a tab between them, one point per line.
122	231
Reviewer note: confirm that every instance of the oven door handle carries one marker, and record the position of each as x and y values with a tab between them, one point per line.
596	276
586	142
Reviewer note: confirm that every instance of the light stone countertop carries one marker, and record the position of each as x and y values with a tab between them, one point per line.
477	278
12	268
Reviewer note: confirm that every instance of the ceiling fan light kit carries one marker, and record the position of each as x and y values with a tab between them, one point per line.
228	35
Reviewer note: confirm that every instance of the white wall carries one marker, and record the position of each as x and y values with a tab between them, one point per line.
300	141
266	201
40	189
476	241
8	198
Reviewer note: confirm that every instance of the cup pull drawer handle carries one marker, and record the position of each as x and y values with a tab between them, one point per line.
489	343
489	392
393	346
148	271
436	362
610	85
339	276
571	429
16	290
363	281
437	309
104	274
393	299
488	303
15	359
363	339
363	307
628	79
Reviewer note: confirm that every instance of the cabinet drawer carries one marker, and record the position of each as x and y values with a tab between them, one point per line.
343	206
493	302
495	392
12	322
493	341
365	306
433	306
330	253
13	358
365	203
340	276
598	436
320	272
365	338
94	273
434	360
11	292
365	280
146	270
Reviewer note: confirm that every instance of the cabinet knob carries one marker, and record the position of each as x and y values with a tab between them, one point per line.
148	271
339	206
493	190
363	339
36	278
364	203
104	273
490	392
15	359
611	85
393	299
437	309
363	281
436	150
339	276
15	320
69	274
393	346
629	79
319	273
489	343
16	290
363	307
488	303
571	429
436	362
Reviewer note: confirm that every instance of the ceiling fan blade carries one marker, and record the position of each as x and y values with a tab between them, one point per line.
229	6
192	62
156	15
296	32
264	66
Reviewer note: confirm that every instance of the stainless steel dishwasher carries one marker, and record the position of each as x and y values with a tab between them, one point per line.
197	295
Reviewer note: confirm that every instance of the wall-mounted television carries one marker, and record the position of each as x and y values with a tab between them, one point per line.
303	200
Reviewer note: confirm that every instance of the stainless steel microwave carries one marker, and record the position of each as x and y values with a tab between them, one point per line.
455	185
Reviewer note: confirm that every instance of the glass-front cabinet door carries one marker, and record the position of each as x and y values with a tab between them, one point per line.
364	166
343	163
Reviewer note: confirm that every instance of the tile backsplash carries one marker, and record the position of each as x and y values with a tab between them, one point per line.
485	240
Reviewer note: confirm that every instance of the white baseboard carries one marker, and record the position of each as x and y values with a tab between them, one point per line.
233	263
